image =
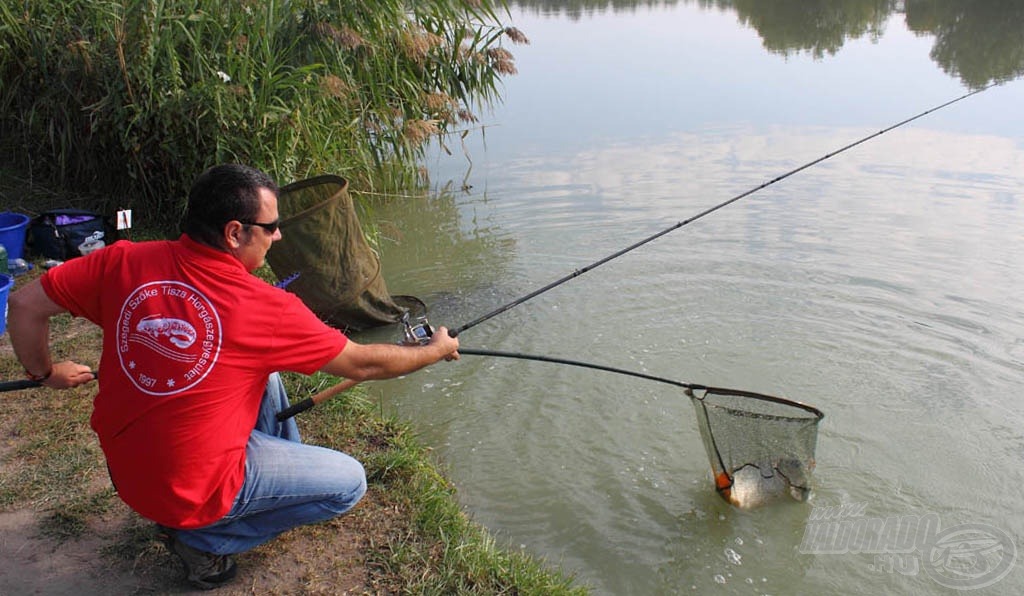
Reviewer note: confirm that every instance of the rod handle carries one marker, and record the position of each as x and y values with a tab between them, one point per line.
321	397
294	409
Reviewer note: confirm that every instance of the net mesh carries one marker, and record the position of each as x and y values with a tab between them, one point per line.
338	273
761	448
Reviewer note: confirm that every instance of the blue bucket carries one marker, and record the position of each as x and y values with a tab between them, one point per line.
6	282
12	233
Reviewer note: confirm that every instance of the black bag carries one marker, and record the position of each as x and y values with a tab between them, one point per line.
63	234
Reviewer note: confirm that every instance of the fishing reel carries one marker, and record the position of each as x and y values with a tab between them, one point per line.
416	333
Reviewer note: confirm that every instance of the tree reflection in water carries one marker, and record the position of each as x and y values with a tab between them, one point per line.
978	42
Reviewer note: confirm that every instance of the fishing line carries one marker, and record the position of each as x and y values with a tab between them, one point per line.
615	255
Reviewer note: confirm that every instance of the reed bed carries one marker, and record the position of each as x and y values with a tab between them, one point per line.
128	100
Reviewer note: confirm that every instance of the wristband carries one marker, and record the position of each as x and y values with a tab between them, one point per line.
39	378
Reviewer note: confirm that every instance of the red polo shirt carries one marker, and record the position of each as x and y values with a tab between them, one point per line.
189	338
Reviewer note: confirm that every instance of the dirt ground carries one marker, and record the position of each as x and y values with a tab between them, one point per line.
326	559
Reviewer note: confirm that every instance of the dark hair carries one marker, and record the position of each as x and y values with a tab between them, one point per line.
221	194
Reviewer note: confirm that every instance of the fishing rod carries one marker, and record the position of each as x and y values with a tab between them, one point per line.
578	272
420	332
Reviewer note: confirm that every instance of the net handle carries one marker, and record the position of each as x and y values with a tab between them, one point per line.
689	387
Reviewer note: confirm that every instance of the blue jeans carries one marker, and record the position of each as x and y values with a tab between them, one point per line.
287	484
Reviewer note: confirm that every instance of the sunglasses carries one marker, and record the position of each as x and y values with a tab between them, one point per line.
269	227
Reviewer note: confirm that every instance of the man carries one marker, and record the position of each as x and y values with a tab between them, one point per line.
192	343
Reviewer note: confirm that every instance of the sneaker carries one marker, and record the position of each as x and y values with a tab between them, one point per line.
205	570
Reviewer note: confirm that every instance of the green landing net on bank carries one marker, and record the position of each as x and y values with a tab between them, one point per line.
324	258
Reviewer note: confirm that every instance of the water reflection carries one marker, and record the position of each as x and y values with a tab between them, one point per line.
818	27
843	288
448	247
878	286
978	42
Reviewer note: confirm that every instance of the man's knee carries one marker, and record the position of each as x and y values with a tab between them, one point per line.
351	479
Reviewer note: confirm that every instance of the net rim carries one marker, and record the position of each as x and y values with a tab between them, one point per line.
303	184
818	414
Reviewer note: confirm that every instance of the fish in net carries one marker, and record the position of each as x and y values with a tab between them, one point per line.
761	448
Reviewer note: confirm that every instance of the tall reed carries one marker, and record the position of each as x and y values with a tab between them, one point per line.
131	99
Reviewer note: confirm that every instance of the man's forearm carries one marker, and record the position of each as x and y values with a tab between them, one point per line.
29	312
384	361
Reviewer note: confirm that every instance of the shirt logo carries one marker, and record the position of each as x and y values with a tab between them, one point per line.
168	337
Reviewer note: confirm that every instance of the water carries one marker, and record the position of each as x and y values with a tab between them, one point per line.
881	286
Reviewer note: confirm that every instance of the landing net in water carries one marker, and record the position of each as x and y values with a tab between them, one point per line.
761	448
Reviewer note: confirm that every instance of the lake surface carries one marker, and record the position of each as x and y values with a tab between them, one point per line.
882	286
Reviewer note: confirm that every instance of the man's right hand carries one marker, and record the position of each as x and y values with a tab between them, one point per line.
450	345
